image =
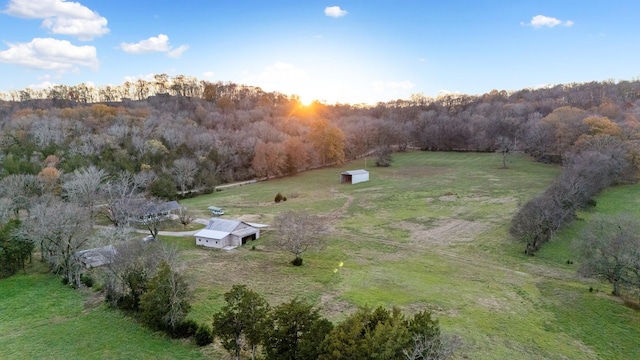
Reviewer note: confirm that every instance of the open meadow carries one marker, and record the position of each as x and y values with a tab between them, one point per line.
429	232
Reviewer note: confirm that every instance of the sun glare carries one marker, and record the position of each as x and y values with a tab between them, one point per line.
305	101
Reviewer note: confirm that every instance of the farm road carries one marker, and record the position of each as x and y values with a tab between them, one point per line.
164	233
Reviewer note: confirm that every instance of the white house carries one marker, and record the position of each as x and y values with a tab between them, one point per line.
354	176
227	234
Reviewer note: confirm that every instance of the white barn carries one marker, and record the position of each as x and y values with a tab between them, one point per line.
354	176
227	234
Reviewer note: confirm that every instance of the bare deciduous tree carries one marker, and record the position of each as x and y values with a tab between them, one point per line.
185	216
21	190
61	229
433	348
609	248
83	187
298	231
183	172
129	269
119	193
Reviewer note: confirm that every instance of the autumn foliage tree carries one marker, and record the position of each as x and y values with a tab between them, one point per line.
296	156
328	141
269	159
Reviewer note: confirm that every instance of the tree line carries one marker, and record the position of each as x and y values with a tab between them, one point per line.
247	326
228	132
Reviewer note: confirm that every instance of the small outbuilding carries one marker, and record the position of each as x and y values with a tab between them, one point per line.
95	257
354	176
227	234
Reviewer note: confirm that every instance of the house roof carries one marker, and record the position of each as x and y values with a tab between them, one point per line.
166	206
212	234
97	256
355	172
145	206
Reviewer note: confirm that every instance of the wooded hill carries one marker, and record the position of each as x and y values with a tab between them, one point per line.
185	135
234	132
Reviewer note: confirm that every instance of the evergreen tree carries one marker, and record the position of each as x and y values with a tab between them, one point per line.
166	303
242	321
296	332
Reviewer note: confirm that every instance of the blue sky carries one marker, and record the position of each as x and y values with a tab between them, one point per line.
333	51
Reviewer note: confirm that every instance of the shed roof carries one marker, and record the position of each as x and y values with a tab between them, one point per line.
212	234
256	225
97	256
223	225
355	172
245	232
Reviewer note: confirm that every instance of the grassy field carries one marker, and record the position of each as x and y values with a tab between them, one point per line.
41	319
429	232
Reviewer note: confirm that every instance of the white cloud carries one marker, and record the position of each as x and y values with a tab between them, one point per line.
158	43
177	52
42	85
61	17
334	11
208	74
145	77
50	54
539	21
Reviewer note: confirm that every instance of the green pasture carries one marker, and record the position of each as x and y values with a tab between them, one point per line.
41	319
429	232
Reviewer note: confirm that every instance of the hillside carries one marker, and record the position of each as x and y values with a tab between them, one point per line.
430	232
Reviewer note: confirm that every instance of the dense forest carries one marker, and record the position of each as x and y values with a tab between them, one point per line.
178	135
233	132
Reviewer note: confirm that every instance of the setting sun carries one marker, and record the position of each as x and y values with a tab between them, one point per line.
305	101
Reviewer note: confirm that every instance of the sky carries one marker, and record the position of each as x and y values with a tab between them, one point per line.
353	52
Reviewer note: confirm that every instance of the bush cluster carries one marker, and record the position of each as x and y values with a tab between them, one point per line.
279	197
295	330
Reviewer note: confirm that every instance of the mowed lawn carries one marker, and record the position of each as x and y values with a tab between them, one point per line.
41	319
429	232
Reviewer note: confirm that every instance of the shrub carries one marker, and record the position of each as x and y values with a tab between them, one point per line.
278	198
204	335
87	280
163	188
184	329
297	261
